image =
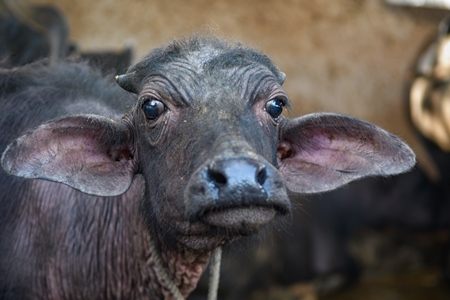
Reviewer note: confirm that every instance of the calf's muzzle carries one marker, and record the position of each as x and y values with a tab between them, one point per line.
241	193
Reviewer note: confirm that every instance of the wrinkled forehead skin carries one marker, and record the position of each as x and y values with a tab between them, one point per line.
202	62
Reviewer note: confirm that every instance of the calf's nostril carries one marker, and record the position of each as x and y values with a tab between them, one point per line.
261	176
216	177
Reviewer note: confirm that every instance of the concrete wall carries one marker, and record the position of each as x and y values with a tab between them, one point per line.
347	56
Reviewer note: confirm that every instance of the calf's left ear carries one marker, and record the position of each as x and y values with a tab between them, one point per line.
91	153
320	152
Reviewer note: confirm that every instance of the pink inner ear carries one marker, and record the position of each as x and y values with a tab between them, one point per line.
88	145
90	153
320	152
284	150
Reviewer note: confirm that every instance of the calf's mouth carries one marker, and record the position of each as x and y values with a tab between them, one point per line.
244	220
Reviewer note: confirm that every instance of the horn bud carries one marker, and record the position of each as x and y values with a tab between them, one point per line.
282	77
125	81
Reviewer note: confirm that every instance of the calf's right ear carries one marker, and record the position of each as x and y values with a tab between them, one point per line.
91	153
320	152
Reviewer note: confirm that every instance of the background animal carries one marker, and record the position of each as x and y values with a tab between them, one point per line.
31	32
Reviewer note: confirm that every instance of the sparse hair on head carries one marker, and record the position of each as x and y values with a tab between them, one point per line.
212	51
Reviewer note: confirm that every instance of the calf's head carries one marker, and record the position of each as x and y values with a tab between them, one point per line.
208	135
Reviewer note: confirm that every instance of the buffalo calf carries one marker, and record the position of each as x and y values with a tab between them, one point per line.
124	192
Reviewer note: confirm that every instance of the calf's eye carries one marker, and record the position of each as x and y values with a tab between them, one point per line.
153	109
274	108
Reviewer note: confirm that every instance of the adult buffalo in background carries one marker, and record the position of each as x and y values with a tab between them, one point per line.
29	33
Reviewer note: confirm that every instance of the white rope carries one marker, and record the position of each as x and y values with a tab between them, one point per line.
216	257
163	276
161	272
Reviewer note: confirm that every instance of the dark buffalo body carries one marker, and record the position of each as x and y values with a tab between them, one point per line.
191	154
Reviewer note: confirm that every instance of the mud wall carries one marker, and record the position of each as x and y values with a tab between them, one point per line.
347	56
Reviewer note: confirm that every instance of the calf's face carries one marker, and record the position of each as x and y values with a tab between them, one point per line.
215	132
208	135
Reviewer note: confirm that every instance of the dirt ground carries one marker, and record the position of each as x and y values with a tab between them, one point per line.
397	265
